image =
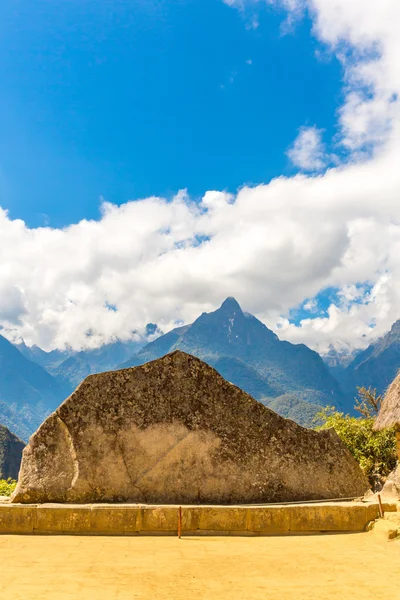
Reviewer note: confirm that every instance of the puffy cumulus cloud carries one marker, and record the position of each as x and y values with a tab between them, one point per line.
354	322
308	152
163	261
365	37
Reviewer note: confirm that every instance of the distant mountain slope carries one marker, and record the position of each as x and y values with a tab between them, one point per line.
294	408
249	355
252	382
378	365
34	382
27	392
23	421
47	360
22	381
10	453
79	365
74	370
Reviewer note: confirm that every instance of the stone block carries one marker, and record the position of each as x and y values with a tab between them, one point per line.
17	519
173	431
56	518
268	520
328	517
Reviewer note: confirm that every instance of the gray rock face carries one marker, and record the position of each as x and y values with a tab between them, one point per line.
174	431
10	453
391	489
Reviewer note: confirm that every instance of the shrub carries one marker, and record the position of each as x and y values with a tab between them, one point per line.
7	486
374	450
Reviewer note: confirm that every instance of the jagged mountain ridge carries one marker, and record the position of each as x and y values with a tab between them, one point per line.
22	380
78	365
249	355
291	379
28	393
47	360
34	382
376	366
71	367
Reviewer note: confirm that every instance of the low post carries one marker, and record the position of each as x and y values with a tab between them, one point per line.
380	506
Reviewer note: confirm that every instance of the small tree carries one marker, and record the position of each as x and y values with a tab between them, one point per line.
368	403
375	451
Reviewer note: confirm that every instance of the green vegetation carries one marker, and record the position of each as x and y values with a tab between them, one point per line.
368	403
374	450
7	486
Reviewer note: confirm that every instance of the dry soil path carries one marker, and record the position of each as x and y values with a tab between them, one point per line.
332	567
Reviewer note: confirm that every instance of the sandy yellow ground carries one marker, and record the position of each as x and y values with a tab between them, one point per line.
352	566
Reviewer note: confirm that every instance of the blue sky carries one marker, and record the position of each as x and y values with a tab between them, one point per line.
124	100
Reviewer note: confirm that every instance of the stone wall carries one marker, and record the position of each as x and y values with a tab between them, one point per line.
106	519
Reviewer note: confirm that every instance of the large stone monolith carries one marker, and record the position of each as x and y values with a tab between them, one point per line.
174	431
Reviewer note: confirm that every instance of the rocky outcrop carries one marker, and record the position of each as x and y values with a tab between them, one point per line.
11	449
174	431
391	489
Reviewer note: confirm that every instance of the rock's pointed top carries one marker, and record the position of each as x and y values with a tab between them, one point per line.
177	356
230	305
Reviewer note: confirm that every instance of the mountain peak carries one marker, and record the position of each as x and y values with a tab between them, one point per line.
230	305
396	327
151	329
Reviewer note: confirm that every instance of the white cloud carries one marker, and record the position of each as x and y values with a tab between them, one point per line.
311	305
271	246
349	325
308	152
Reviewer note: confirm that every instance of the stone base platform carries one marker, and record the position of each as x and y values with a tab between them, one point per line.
133	519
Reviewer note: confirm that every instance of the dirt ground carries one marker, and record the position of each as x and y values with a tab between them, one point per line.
330	567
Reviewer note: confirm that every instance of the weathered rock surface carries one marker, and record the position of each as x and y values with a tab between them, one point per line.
11	449
174	431
391	489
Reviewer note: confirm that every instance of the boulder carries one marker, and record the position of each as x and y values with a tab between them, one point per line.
174	431
11	449
391	489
